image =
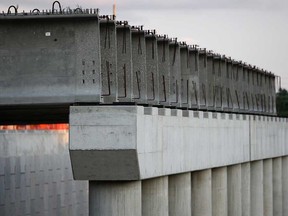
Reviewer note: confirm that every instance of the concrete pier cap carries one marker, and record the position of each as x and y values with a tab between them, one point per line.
103	142
123	143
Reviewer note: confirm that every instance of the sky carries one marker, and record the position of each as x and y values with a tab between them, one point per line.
253	31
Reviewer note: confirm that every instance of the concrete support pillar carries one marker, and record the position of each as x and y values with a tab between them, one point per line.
234	190
285	184
245	189
219	192
202	193
257	188
277	187
155	197
268	187
115	198
180	194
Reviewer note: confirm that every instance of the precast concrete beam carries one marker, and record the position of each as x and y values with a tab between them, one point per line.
46	61
164	70
245	87
155	199
218	88
228	74
186	82
210	82
124	62
108	41
194	71
203	83
139	65
175	73
238	77
179	194
152	68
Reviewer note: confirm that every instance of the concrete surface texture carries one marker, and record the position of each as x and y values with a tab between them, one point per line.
36	176
187	162
277	187
268	187
160	142
285	185
201	193
221	191
179	194
257	199
74	49
245	187
234	190
155	200
115	198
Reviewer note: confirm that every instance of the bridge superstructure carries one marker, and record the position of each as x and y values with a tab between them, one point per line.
157	127
53	59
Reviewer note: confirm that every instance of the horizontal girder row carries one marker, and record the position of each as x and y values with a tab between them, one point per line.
134	143
253	189
78	57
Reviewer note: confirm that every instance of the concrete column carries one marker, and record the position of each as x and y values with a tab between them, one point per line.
285	184
155	197
180	194
277	187
268	187
115	198
234	190
219	192
202	193
245	189
257	188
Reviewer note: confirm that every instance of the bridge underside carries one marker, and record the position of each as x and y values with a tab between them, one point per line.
34	114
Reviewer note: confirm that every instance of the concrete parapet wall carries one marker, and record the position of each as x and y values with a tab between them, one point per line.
152	142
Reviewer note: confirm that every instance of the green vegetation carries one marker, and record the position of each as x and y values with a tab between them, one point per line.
282	103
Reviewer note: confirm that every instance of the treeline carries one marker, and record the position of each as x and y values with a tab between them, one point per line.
282	103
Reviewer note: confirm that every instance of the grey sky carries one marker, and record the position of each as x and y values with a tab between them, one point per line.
255	31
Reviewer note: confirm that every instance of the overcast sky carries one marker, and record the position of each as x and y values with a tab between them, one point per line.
254	31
